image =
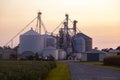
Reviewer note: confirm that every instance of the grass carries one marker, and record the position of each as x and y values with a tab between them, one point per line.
100	64
61	72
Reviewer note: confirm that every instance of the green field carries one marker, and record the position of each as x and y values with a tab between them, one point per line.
100	64
25	70
61	72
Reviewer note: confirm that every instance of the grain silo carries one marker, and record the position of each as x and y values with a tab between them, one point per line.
50	51
30	41
88	41
78	44
49	41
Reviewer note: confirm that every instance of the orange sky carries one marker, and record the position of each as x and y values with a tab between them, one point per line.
99	19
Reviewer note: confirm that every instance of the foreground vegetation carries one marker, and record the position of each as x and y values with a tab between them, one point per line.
25	70
61	72
100	64
112	60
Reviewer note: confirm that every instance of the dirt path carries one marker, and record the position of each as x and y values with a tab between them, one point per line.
87	72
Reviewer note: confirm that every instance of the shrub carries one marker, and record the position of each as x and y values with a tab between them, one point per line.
112	60
51	58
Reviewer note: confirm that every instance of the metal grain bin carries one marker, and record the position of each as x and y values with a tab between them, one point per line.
30	41
78	44
88	41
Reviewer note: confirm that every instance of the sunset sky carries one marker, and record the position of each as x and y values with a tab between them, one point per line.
99	19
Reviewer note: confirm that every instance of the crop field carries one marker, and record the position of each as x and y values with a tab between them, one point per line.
25	70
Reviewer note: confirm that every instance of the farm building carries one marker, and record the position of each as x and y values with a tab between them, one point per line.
93	55
113	53
9	54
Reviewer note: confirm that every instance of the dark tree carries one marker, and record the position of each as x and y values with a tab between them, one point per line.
105	49
1	48
118	48
110	48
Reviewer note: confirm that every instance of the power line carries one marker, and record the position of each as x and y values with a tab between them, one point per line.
19	32
58	26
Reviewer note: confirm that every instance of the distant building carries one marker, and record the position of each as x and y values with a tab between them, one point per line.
93	55
9	54
113	52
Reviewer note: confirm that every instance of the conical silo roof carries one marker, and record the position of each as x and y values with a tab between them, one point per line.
31	32
83	35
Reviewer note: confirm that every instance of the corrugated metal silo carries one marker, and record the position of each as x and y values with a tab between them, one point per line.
88	41
30	41
49	41
78	44
50	51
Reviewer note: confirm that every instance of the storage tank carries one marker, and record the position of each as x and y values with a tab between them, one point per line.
50	51
78	44
61	54
88	41
30	41
49	41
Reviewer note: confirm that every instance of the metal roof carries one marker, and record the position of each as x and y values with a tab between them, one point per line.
31	32
83	35
95	51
